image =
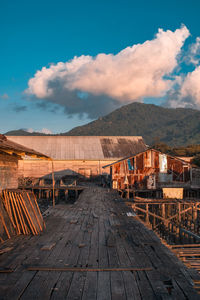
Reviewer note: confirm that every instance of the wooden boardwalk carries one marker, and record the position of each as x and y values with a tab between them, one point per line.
93	250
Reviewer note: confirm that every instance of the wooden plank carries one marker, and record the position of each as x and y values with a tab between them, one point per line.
33	255
48	247
44	283
5	250
79	278
103	285
185	246
73	255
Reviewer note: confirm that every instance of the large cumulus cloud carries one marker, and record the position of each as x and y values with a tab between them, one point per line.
95	85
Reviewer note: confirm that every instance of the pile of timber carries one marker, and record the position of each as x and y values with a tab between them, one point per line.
190	256
19	214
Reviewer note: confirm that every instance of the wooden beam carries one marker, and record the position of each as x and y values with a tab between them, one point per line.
190	233
7	151
159	217
5	270
68	269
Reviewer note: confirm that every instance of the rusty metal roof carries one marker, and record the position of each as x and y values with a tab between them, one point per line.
11	147
83	147
149	149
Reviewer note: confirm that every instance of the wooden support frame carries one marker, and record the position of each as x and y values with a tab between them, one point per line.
180	220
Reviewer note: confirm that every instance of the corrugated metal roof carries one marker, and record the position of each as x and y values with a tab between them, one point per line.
7	145
83	147
149	149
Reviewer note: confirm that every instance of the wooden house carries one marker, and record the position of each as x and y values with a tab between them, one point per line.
150	170
10	155
76	155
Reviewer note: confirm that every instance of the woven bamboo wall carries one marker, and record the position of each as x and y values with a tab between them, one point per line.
8	172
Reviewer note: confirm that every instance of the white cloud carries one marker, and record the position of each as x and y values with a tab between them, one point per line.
194	52
4	96
135	72
44	130
30	130
190	88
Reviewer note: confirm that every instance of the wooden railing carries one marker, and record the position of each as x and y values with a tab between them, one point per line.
176	221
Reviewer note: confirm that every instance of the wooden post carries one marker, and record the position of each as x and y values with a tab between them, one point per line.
154	218
194	213
164	213
147	213
66	195
57	195
39	192
99	168
53	184
179	212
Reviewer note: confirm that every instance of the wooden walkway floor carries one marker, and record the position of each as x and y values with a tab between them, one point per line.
93	251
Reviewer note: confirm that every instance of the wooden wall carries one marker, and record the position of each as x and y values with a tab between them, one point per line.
146	164
41	168
8	172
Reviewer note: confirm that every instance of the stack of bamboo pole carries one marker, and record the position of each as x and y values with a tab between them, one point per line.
19	214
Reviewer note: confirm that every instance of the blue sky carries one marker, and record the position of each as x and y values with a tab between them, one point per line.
36	34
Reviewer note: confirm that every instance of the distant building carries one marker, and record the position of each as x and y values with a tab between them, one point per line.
152	169
10	155
76	155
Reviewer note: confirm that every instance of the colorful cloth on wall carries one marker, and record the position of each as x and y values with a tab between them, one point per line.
163	163
130	166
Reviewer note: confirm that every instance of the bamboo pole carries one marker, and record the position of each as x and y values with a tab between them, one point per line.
15	216
34	212
9	211
30	222
53	183
38	209
19	215
22	212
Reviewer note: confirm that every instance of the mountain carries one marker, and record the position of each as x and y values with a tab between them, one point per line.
20	132
176	127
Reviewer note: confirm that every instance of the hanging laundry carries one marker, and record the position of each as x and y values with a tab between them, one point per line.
130	166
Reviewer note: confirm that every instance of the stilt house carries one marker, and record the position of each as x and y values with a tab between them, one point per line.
10	155
152	169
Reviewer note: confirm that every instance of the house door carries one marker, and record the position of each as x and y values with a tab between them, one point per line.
186	174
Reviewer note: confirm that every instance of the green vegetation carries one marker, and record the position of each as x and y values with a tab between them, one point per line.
175	127
188	151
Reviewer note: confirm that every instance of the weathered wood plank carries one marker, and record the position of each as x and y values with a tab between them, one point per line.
77	272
